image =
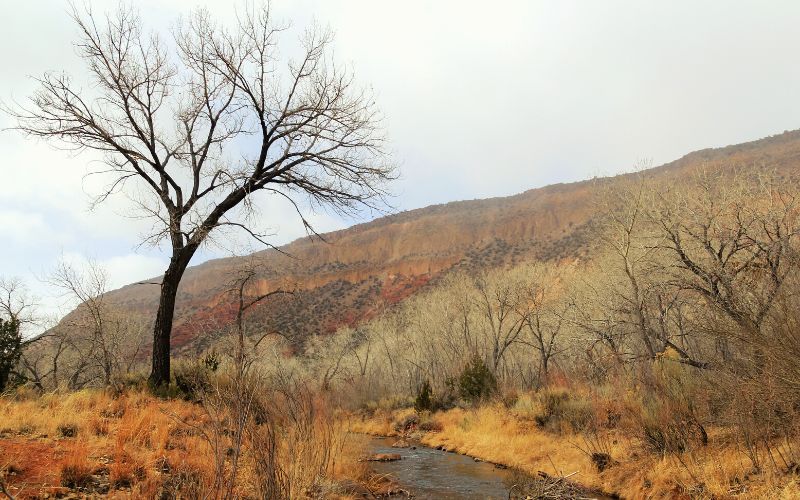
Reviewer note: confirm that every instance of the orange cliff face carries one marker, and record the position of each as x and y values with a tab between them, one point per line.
361	270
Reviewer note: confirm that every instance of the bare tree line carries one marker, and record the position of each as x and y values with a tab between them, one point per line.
95	345
700	273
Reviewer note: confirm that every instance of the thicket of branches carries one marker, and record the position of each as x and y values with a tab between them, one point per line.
693	301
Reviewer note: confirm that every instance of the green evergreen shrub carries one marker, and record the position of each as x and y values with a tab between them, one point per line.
476	382
10	349
424	400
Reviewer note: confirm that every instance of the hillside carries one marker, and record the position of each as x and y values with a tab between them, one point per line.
358	271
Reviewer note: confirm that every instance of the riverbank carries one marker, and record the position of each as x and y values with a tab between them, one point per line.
624	467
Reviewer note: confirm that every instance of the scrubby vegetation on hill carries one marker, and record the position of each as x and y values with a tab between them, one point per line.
364	269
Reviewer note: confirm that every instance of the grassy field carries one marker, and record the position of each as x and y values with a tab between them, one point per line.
136	445
133	444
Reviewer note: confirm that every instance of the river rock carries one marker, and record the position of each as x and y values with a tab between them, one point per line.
401	443
384	457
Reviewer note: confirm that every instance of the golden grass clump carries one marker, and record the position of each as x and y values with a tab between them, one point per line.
76	468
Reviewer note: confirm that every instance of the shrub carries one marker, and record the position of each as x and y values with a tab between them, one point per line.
560	409
525	406
424	400
67	430
389	403
123	474
183	483
192	379
132	381
666	416
211	361
99	426
509	399
407	423
662	427
10	349
601	461
429	425
476	382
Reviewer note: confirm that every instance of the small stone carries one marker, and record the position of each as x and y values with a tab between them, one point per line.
384	457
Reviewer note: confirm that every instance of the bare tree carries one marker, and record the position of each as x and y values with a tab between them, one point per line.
16	302
546	311
645	299
192	130
247	296
505	308
106	338
90	317
592	315
627	235
731	238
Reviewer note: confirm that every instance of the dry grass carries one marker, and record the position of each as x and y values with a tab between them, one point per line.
91	442
381	422
137	445
133	445
512	437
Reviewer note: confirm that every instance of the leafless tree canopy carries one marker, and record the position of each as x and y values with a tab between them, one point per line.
192	127
205	121
16	302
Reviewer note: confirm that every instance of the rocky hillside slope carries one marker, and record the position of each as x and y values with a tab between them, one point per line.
358	271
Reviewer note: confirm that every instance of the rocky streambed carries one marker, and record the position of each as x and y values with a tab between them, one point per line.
429	473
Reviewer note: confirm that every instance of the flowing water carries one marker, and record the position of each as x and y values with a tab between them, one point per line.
430	473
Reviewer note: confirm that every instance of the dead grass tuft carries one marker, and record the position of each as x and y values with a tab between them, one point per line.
76	469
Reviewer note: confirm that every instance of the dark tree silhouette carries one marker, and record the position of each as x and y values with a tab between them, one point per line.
193	129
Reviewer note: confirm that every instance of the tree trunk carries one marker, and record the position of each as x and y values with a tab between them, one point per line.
638	306
162	330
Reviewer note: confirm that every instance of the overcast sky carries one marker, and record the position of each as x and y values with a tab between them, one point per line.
481	99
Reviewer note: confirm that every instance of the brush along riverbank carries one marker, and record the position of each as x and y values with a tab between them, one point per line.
614	460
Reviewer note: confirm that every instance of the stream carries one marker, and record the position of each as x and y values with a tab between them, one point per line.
430	473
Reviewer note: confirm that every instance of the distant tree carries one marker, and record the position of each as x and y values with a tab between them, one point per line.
104	339
240	285
193	130
504	305
15	311
10	349
547	311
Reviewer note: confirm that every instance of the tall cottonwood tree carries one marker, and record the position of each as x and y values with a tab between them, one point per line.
191	129
732	239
